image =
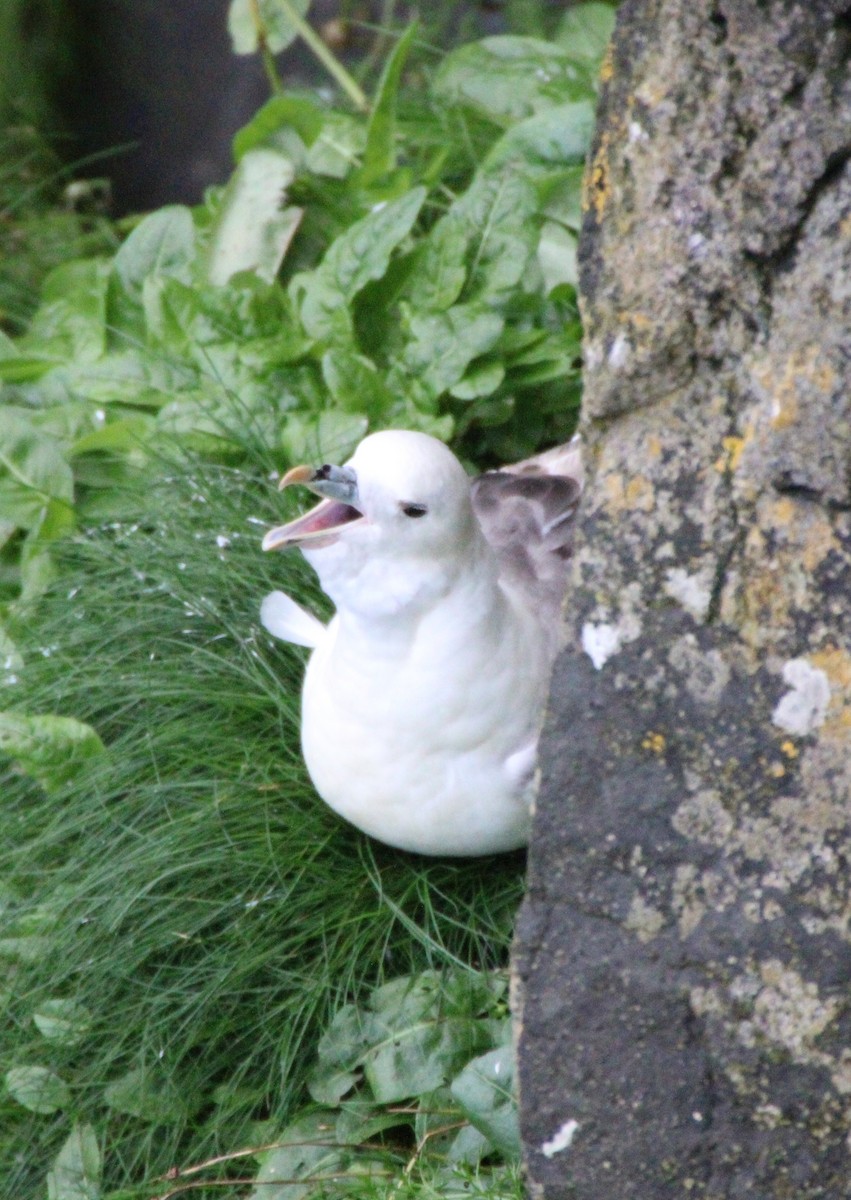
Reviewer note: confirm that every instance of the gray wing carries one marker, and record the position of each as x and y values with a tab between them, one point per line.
528	516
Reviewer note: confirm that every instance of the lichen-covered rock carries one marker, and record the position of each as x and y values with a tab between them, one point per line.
683	960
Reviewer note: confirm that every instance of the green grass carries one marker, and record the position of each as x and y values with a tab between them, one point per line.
190	890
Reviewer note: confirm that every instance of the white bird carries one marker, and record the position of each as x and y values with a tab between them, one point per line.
424	695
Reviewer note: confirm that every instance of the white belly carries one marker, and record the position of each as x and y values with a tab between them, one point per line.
414	746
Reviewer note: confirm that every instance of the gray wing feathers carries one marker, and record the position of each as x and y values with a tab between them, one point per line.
527	513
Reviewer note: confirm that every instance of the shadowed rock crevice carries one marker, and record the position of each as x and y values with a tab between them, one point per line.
682	957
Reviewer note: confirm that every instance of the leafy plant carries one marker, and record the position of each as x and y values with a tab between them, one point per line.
411	266
182	919
418	1079
181	916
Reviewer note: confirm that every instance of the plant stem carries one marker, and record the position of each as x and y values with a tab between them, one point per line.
331	64
266	56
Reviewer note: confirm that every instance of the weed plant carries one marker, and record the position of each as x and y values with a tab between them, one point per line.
187	890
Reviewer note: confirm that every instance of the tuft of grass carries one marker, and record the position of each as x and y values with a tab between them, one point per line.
189	890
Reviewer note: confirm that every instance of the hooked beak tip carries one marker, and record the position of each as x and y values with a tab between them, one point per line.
295	475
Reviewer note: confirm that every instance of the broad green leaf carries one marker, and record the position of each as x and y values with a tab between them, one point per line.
561	195
338	147
557	255
484	1090
508	78
70	323
52	750
555	137
360	1120
443	345
498	213
253	229
380	153
357	256
62	1021
481	379
585	30
274	124
162	244
38	1089
329	1087
149	1095
118	437
355	383
76	1171
21	368
274	26
328	437
33	470
441	268
309	1153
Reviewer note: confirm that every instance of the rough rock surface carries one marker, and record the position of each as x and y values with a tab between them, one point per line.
682	962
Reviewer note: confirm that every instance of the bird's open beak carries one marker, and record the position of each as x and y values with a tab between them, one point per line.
321	525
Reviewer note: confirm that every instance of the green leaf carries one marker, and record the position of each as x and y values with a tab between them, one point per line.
328	437
21	368
355	383
309	1153
585	30
329	1087
557	256
380	153
481	380
498	216
62	1021
149	1095
118	437
555	137
416	1035
441	268
443	345
163	244
484	1090
252	229
71	320
38	1089
51	750
274	124
360	254
508	78
33	470
274	27
76	1171
338	147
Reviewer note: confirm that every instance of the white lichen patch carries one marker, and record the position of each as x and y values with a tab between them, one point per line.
643	919
704	818
619	352
706	673
804	707
602	637
686	901
789	1011
600	642
693	592
561	1139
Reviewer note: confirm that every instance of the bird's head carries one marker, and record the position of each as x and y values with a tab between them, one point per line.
392	520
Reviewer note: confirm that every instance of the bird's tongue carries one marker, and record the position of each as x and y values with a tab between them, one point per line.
316	527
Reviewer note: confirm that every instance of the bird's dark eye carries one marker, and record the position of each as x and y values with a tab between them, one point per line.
414	510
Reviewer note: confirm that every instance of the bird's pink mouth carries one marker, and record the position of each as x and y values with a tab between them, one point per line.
316	528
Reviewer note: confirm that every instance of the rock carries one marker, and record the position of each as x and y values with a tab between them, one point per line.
682	961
